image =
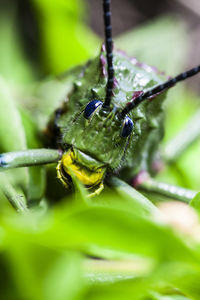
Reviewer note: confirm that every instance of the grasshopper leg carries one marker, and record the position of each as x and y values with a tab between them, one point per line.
167	190
16	198
172	151
98	191
28	158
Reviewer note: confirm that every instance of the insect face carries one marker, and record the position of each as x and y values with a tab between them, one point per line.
92	107
98	132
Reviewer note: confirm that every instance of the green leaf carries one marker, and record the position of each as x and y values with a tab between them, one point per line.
114	229
65	279
81	194
161	43
13	63
65	39
44	274
12	135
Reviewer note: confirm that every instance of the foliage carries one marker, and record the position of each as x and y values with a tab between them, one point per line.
50	251
65	40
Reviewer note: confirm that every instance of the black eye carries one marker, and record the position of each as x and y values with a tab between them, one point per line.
127	127
91	107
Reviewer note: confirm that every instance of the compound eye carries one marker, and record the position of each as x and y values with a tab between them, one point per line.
127	127
91	107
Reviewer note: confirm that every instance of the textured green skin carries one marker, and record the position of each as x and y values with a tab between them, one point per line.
100	138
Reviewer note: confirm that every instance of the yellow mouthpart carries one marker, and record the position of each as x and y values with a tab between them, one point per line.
71	166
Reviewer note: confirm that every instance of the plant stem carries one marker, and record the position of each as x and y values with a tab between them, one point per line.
170	191
133	196
16	198
29	158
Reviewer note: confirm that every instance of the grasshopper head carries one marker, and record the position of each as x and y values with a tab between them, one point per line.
98	131
94	125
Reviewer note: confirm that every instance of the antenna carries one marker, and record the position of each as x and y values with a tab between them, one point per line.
109	54
158	89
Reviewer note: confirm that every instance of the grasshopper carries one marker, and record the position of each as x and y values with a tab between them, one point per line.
111	124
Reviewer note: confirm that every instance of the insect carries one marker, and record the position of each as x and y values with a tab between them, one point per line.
112	123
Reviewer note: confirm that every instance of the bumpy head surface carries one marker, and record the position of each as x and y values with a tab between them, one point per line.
101	134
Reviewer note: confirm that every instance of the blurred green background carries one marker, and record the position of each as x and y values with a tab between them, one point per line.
115	246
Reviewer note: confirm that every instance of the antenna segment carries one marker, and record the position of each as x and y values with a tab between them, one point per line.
158	89
109	52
